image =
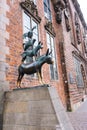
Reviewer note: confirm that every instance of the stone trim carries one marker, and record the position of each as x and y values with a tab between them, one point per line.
61	114
59	5
31	8
48	26
79	55
4	35
65	78
77	7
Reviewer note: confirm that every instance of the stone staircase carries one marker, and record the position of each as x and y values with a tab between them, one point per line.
37	108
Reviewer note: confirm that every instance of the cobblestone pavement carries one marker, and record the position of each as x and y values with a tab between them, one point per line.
79	117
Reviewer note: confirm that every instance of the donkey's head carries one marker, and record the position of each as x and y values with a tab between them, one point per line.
48	58
40	45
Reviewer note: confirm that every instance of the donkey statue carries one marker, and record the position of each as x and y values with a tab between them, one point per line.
33	52
34	67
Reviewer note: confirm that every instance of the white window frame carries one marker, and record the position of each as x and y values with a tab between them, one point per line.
51	46
47	14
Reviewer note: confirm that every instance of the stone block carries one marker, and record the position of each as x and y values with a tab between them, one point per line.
2	66
4	34
16	107
57	105
2	57
2	41
12	127
16	118
19	127
4	5
28	95
40	107
4	49
34	109
4	86
53	93
2	76
30	119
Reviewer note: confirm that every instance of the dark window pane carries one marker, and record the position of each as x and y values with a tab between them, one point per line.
52	71
79	78
49	14
48	4
45	8
45	1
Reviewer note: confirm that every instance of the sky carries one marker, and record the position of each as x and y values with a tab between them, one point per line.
83	6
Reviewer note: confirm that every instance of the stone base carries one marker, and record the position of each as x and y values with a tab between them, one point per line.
37	108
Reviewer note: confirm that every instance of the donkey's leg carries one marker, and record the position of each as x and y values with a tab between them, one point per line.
40	77
21	76
18	80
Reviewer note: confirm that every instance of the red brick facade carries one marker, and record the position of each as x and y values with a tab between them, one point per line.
66	48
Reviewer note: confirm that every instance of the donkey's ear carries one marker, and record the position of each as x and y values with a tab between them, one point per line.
50	52
47	52
33	28
39	42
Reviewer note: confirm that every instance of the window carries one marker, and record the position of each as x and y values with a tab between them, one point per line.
29	23
53	68
79	78
47	9
34	1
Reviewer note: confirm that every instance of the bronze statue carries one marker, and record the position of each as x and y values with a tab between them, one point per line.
34	67
32	52
29	34
30	41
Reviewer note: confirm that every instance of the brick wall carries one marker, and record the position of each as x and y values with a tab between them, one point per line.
15	48
76	93
14	43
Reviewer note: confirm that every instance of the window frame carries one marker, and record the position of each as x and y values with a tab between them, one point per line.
49	45
48	13
77	65
31	21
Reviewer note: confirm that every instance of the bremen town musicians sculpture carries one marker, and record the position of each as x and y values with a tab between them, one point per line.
30	51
